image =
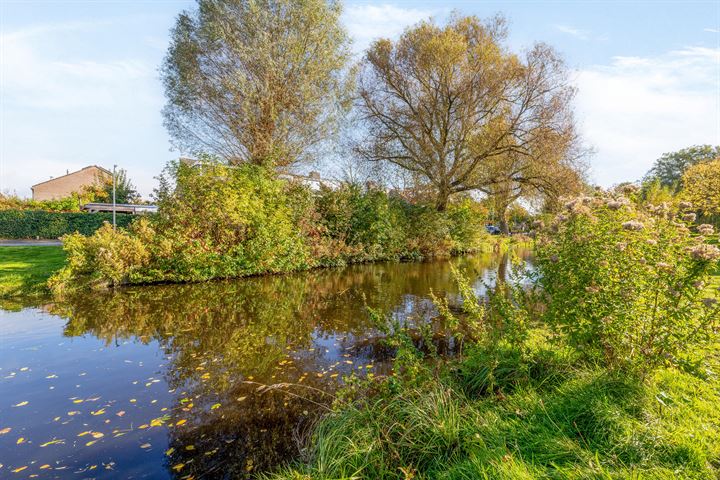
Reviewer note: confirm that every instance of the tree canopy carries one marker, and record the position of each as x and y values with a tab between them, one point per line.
701	187
449	102
669	168
256	81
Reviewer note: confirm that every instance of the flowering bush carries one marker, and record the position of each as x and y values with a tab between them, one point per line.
624	283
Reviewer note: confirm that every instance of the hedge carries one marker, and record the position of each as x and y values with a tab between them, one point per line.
42	224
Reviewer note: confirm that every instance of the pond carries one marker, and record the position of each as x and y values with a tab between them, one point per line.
213	380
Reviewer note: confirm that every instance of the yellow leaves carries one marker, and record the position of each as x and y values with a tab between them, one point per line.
98	434
51	376
143	426
215	406
52	442
132	400
20	441
120	413
190	447
169	451
240	399
91	442
178	467
74	412
44	467
156	422
78	400
5	430
98	412
180	422
21	404
205	376
20	469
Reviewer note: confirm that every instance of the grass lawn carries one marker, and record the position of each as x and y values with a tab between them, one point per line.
24	270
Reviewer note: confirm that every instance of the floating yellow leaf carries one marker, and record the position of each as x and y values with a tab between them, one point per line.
78	400
98	434
143	426
132	400
240	399
56	419
21	404
5	430
44	467
145	445
98	412
52	376
74	412
90	443
178	467
23	369
217	405
180	422
156	422
19	469
20	440
169	451
82	434
52	442
190	447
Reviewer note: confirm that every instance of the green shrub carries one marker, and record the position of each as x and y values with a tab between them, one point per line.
626	285
42	224
106	258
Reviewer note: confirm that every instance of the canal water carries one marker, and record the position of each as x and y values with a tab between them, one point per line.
218	380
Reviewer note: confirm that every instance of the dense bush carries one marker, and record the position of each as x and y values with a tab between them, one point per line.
42	224
216	221
626	285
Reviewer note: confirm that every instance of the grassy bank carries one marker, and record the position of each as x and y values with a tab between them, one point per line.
553	419
24	270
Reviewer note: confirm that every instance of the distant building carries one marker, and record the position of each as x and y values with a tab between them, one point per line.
64	186
131	208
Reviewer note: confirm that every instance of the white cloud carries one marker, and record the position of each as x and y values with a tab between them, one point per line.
575	32
637	108
711	30
62	109
366	23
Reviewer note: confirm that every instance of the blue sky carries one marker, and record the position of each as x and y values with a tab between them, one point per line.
79	80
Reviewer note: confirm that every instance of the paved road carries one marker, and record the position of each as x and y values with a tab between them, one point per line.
30	243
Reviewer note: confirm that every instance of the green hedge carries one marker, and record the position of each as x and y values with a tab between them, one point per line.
38	223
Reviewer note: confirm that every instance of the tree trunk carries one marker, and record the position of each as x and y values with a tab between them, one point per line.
441	202
503	221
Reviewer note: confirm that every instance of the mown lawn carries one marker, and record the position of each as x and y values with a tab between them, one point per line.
25	270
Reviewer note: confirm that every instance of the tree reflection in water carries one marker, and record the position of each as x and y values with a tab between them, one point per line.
224	340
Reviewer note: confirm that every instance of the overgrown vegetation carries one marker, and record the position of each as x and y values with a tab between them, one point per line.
218	221
554	382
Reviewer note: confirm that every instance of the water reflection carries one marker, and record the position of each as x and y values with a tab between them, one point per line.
217	344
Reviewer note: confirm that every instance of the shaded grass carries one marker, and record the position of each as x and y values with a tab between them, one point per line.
24	270
562	420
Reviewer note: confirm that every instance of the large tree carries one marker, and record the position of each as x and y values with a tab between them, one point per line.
257	81
670	167
701	187
447	102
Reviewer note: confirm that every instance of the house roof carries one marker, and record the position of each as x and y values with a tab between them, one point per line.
72	173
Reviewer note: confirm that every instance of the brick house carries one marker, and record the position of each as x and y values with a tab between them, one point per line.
64	186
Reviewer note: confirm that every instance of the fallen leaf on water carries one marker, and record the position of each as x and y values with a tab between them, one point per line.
240	399
23	369
43	467
74	412
98	412
178	467
90	443
120	413
145	445
169	451
82	434
132	400
143	426
98	434
52	442
21	404
5	430
20	469
78	400
180	422
52	376
190	447
217	405
20	440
